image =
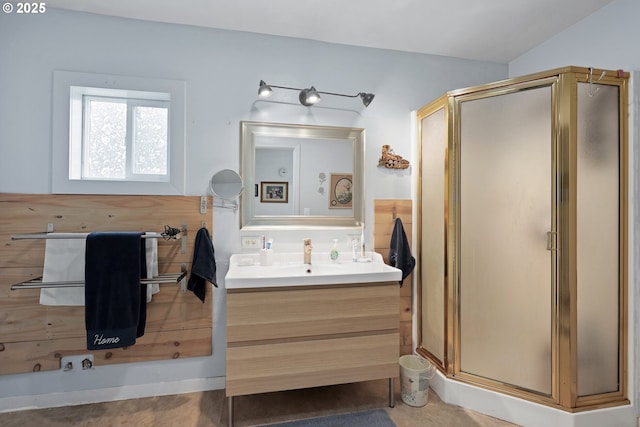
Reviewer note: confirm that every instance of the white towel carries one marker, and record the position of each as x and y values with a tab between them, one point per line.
63	261
151	246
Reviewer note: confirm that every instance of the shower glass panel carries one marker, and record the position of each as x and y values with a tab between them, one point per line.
505	212
526	197
434	149
598	243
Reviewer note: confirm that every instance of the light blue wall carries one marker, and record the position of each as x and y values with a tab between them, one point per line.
222	70
609	38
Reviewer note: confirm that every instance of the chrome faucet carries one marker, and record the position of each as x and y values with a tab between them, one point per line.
307	251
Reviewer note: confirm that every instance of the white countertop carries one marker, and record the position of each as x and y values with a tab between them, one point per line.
287	269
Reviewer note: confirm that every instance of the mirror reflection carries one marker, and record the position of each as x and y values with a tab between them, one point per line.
302	175
226	184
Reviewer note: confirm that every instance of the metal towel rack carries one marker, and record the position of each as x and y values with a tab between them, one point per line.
39	284
167	234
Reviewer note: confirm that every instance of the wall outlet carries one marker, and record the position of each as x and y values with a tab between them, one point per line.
251	242
77	363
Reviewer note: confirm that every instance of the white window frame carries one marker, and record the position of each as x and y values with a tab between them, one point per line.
68	91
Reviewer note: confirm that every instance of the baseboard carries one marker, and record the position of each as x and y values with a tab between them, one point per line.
525	413
71	398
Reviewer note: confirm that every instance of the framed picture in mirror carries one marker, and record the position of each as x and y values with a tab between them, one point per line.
341	196
274	192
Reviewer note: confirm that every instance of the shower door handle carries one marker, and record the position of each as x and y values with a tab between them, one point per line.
551	240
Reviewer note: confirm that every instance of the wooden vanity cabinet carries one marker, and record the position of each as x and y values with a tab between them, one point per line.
295	337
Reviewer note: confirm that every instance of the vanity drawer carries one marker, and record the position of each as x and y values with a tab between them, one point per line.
286	313
264	368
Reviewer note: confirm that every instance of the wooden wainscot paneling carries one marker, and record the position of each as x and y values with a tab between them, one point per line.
385	212
35	337
46	355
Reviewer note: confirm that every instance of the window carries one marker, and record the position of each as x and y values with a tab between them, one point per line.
123	135
121	138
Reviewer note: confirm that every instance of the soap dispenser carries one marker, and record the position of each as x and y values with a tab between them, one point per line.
334	254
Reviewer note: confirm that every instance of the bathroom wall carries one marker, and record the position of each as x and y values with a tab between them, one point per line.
303	162
269	161
221	70
606	39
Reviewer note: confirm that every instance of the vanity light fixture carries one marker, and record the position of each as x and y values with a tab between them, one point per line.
264	90
311	96
308	97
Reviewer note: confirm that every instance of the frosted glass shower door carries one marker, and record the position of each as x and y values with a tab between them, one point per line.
433	248
506	202
598	239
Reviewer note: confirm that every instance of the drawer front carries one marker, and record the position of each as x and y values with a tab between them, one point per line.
290	313
292	365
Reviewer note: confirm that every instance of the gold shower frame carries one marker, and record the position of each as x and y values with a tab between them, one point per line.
563	82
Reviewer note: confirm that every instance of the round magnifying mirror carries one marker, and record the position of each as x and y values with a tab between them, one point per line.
226	184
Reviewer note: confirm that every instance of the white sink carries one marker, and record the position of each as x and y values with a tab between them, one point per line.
287	269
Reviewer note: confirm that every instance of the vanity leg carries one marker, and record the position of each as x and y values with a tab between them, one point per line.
230	404
392	398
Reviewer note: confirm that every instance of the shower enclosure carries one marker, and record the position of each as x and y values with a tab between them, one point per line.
523	226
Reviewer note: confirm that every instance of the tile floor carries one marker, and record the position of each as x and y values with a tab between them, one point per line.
209	409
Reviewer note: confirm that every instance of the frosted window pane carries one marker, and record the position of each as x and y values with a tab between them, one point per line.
105	150
150	140
434	145
505	213
597	239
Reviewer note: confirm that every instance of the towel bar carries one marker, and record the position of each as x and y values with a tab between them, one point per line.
82	236
39	284
168	233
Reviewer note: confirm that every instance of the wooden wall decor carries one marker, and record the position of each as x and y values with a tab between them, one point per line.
385	212
35	337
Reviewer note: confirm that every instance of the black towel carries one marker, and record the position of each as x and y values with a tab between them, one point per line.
142	316
203	267
400	252
113	295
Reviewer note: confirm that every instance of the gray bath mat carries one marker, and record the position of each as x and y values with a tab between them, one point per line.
374	418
